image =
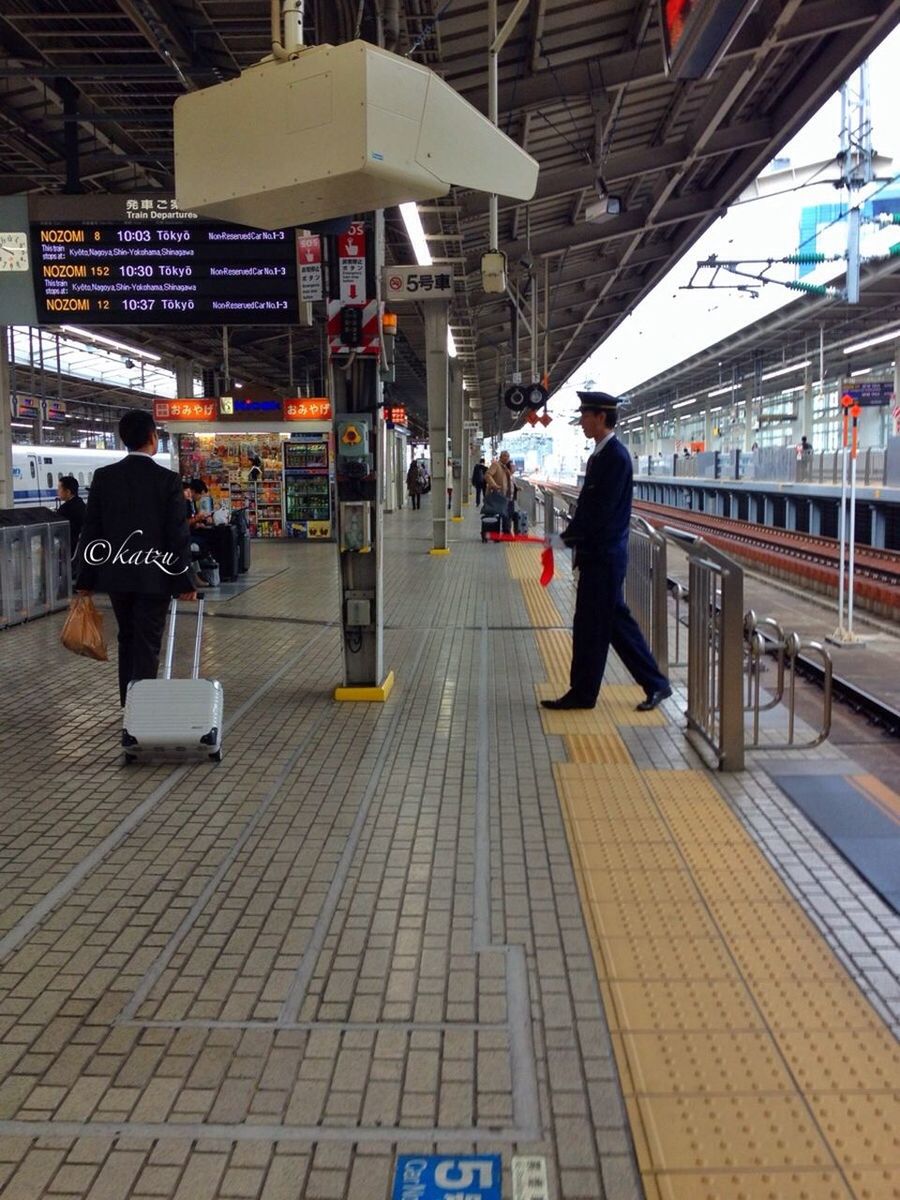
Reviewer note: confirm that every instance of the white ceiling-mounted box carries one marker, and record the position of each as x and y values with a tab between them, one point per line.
337	130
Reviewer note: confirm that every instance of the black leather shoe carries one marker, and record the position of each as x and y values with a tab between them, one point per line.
567	701
654	700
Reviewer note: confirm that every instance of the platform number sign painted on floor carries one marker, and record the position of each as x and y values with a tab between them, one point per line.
447	1177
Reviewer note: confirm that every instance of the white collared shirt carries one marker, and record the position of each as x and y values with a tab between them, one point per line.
606	438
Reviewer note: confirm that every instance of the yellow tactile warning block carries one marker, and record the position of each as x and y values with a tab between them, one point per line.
752	1066
523	560
597	748
765	1185
555	649
745	1050
541	609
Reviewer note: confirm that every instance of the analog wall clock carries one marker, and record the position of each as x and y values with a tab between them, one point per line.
13	251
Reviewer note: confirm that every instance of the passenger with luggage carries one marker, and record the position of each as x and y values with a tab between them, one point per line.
499	478
135	545
598	533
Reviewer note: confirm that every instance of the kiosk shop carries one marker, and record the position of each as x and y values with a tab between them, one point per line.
272	458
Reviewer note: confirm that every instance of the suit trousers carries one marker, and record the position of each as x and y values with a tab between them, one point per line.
603	619
141	618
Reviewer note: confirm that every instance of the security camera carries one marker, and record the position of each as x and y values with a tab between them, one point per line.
130	364
527	262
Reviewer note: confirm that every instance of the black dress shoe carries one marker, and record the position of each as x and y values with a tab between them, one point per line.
567	701
654	700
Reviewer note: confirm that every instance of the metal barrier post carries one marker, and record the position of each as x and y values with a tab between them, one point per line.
715	649
646	587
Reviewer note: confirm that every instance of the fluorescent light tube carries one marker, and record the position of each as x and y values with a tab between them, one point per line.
654	412
90	336
451	345
685	403
894	335
413	222
720	391
784	370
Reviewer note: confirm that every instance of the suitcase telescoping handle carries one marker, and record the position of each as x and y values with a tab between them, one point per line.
170	643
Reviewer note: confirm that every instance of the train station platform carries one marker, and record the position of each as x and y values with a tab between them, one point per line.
450	925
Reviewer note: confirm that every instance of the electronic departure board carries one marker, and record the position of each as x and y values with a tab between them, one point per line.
183	272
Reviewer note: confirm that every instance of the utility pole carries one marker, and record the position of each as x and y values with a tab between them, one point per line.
856	159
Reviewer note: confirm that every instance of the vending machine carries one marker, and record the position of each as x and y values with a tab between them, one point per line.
308	486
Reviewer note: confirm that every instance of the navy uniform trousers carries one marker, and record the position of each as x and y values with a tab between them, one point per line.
603	619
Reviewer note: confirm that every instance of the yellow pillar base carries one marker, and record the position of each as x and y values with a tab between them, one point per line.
456	518
371	694
435	550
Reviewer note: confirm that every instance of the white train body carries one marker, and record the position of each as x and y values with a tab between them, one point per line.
38	469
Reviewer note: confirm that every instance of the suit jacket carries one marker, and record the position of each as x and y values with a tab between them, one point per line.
135	536
600	524
73	511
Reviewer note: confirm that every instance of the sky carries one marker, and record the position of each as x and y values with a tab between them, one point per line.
636	351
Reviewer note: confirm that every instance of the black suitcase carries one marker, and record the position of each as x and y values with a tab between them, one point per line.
223	546
239	521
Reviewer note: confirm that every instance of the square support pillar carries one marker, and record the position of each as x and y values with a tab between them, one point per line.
437	360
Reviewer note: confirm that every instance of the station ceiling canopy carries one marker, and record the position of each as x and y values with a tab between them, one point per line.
87	88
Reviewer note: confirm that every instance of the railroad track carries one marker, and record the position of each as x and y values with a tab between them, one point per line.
871	563
800	557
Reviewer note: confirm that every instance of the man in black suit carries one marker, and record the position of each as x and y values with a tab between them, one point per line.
71	507
598	533
135	546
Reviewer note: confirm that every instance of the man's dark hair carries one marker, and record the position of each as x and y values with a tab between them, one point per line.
70	483
198	486
136	428
611	417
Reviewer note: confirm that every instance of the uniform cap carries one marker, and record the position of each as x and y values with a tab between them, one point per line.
596	402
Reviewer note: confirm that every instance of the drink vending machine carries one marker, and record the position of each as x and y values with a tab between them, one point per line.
308	486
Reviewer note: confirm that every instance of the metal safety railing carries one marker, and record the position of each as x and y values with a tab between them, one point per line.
765	636
646	587
715	708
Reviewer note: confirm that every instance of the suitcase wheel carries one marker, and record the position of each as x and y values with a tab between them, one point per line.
217	757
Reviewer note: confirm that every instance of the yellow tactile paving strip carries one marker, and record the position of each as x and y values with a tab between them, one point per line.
752	1065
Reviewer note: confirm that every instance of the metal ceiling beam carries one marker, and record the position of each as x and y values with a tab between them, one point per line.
630	164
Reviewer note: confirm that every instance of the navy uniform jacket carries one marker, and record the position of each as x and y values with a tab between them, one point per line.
599	527
135	536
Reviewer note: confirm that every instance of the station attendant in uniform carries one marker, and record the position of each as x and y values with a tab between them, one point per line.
598	533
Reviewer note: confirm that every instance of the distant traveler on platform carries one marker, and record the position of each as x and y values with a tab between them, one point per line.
135	545
478	473
72	508
415	483
598	533
499	479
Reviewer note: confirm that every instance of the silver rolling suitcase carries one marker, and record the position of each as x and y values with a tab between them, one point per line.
174	718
